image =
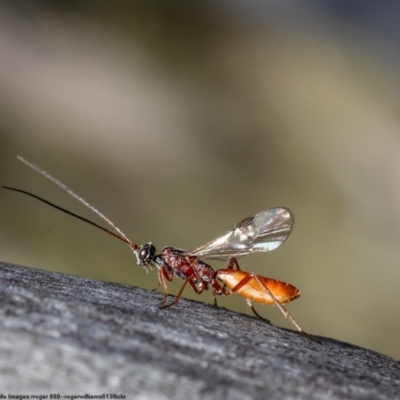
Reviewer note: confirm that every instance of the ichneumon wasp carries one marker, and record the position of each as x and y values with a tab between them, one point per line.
262	232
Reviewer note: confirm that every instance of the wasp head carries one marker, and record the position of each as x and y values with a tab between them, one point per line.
145	254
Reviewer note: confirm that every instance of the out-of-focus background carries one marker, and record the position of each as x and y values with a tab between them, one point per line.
177	119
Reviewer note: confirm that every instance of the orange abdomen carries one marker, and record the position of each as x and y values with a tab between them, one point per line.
253	289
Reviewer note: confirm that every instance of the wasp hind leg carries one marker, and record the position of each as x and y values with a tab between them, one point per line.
283	309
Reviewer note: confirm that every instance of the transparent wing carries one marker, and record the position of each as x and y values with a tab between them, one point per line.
264	231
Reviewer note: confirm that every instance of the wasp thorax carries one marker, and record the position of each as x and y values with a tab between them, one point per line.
145	254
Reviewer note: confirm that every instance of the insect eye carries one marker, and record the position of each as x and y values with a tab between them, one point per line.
143	253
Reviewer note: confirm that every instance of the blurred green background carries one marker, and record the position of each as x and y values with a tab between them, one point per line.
177	119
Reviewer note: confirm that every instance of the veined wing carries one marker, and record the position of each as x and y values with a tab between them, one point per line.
264	231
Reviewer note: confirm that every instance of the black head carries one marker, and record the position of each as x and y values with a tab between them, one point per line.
145	254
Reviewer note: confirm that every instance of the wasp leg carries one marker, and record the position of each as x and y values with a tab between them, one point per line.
215	301
233	264
159	281
163	274
250	304
177	298
283	309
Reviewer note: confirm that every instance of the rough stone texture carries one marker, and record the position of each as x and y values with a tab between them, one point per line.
66	335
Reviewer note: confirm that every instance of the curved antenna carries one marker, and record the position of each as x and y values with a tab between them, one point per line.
68	212
82	200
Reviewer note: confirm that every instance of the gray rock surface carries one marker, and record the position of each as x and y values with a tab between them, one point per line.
66	335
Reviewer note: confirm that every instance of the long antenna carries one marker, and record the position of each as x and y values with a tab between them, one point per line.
68	212
82	200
